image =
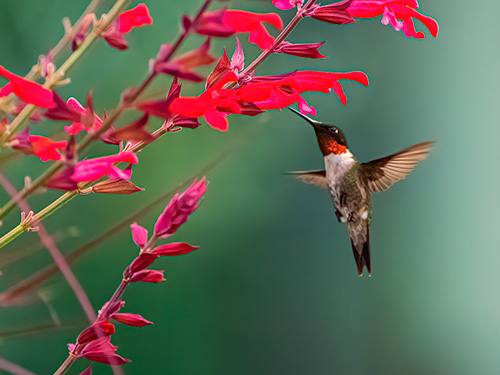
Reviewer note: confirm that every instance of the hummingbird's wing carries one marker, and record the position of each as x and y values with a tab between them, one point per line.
317	178
380	174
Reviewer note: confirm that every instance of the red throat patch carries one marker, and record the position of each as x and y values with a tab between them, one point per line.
330	146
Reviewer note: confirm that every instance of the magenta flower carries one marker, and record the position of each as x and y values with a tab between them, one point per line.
94	169
102	351
210	24
139	235
178	210
134	320
398	13
77	127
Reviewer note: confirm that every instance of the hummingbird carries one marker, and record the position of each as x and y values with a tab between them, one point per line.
351	183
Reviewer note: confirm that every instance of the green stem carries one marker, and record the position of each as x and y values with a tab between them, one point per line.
47	211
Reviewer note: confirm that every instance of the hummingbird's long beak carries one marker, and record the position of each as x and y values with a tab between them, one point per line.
308	119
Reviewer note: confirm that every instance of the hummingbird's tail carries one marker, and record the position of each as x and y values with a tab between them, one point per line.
360	242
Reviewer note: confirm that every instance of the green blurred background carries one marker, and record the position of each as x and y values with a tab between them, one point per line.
274	288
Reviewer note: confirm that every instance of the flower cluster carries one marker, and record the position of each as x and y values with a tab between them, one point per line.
94	343
229	89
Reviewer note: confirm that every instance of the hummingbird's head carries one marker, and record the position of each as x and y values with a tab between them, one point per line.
331	139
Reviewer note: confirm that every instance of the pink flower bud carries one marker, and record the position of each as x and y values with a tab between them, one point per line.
309	50
335	13
141	262
174	248
178	210
139	235
134	320
116	186
148	276
102	351
95	331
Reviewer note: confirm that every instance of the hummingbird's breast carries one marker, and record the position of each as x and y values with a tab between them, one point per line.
336	166
350	199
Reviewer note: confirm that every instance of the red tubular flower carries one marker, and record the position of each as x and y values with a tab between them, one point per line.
247	22
26	90
326	81
398	13
215	103
45	148
135	17
174	248
94	169
134	320
309	50
179	208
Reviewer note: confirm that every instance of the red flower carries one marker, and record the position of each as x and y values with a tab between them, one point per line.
45	148
135	17
26	90
215	104
398	13
247	22
179	208
94	169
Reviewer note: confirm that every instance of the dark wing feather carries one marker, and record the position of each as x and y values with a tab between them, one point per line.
317	178
380	174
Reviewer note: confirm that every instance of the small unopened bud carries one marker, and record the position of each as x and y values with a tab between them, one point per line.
116	186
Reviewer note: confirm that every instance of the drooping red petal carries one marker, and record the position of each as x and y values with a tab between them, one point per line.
28	91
